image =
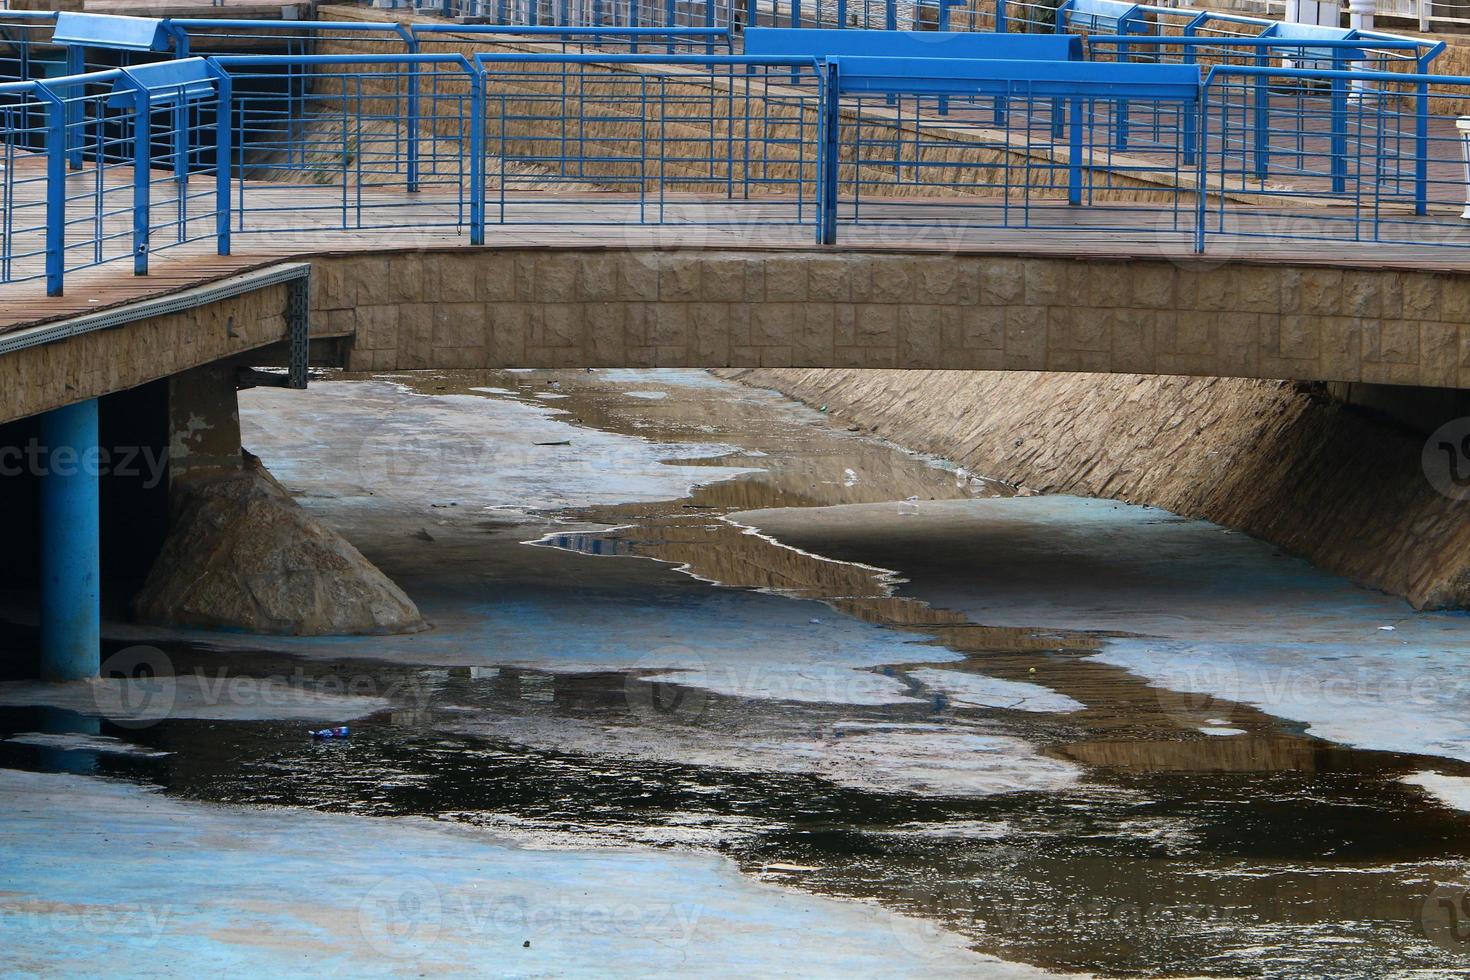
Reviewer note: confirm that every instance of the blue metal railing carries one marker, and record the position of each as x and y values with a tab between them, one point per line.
112	164
450	145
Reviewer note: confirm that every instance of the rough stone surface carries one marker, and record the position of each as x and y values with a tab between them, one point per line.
1335	484
38	379
241	554
566	308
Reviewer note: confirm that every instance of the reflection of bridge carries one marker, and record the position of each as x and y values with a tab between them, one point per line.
474	197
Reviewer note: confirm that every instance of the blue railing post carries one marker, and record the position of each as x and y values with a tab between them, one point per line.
1202	195
1002	21
1074	153
477	155
1338	161
1421	142
829	136
56	163
1261	137
411	106
142	182
1188	57
181	142
71	567
223	151
76	64
1120	134
1191	126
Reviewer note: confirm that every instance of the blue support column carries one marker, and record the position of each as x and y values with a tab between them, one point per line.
71	572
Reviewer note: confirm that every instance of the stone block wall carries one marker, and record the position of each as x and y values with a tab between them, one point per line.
765	308
38	379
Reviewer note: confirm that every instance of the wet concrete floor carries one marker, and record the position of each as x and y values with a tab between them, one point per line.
675	613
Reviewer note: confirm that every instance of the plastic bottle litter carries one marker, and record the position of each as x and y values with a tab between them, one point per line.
338	732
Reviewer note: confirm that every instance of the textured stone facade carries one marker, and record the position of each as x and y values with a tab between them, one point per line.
41	378
496	308
607	308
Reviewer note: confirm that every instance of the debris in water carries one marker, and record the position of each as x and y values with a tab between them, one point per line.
1387	629
339	732
564	442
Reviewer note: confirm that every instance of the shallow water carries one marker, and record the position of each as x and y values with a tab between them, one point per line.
1056	727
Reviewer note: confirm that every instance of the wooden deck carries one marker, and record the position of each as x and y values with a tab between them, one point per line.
296	221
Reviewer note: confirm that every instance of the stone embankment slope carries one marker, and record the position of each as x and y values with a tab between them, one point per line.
1340	486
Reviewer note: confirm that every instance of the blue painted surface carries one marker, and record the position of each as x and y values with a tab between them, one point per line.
70	549
1032	79
822	44
111	31
1101	16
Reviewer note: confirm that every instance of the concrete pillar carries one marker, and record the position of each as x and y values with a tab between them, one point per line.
204	422
1360	14
71	572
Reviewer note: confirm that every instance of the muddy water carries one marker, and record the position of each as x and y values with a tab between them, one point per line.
901	692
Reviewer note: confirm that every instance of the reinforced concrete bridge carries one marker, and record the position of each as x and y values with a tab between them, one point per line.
1219	197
